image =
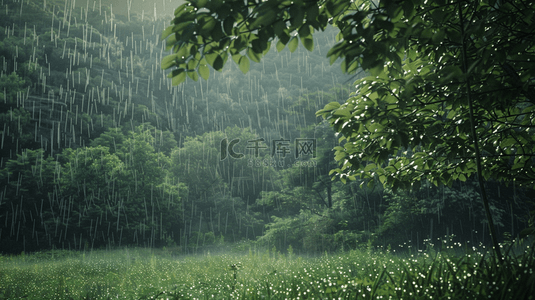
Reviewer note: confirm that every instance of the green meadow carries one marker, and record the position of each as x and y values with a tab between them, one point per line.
456	272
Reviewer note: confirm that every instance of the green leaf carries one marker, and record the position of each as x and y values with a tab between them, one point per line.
304	31
170	42
279	27
370	167
217	32
193	75
328	109
168	31
335	7
284	37
210	58
376	70
292	45
258	46
332	106
280	46
382	179
236	58
264	20
452	72
239	43
204	71
218	63
253	55
297	15
342	112
527	231
452	114
228	24
352	67
409	9
308	43
168	61
312	12
182	51
192	64
438	37
209	24
178	76
508	142
199	3
244	64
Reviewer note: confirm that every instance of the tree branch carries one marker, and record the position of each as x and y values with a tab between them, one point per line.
476	144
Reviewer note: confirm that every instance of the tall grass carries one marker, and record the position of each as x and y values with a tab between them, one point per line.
358	274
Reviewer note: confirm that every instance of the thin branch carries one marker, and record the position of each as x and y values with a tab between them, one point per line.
476	144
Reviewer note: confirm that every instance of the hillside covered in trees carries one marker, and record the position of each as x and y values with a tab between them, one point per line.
99	149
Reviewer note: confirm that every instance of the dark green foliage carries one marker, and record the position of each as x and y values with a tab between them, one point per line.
89	191
75	88
410	120
28	181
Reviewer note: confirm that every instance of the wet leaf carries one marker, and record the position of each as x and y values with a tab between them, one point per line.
292	45
244	64
204	71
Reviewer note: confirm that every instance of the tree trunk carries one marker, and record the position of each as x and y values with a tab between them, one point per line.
329	195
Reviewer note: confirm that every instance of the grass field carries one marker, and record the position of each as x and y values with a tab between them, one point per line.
358	274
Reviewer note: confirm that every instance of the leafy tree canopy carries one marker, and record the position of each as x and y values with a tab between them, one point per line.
449	81
449	93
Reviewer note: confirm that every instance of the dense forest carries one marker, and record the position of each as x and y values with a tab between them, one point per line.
100	150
